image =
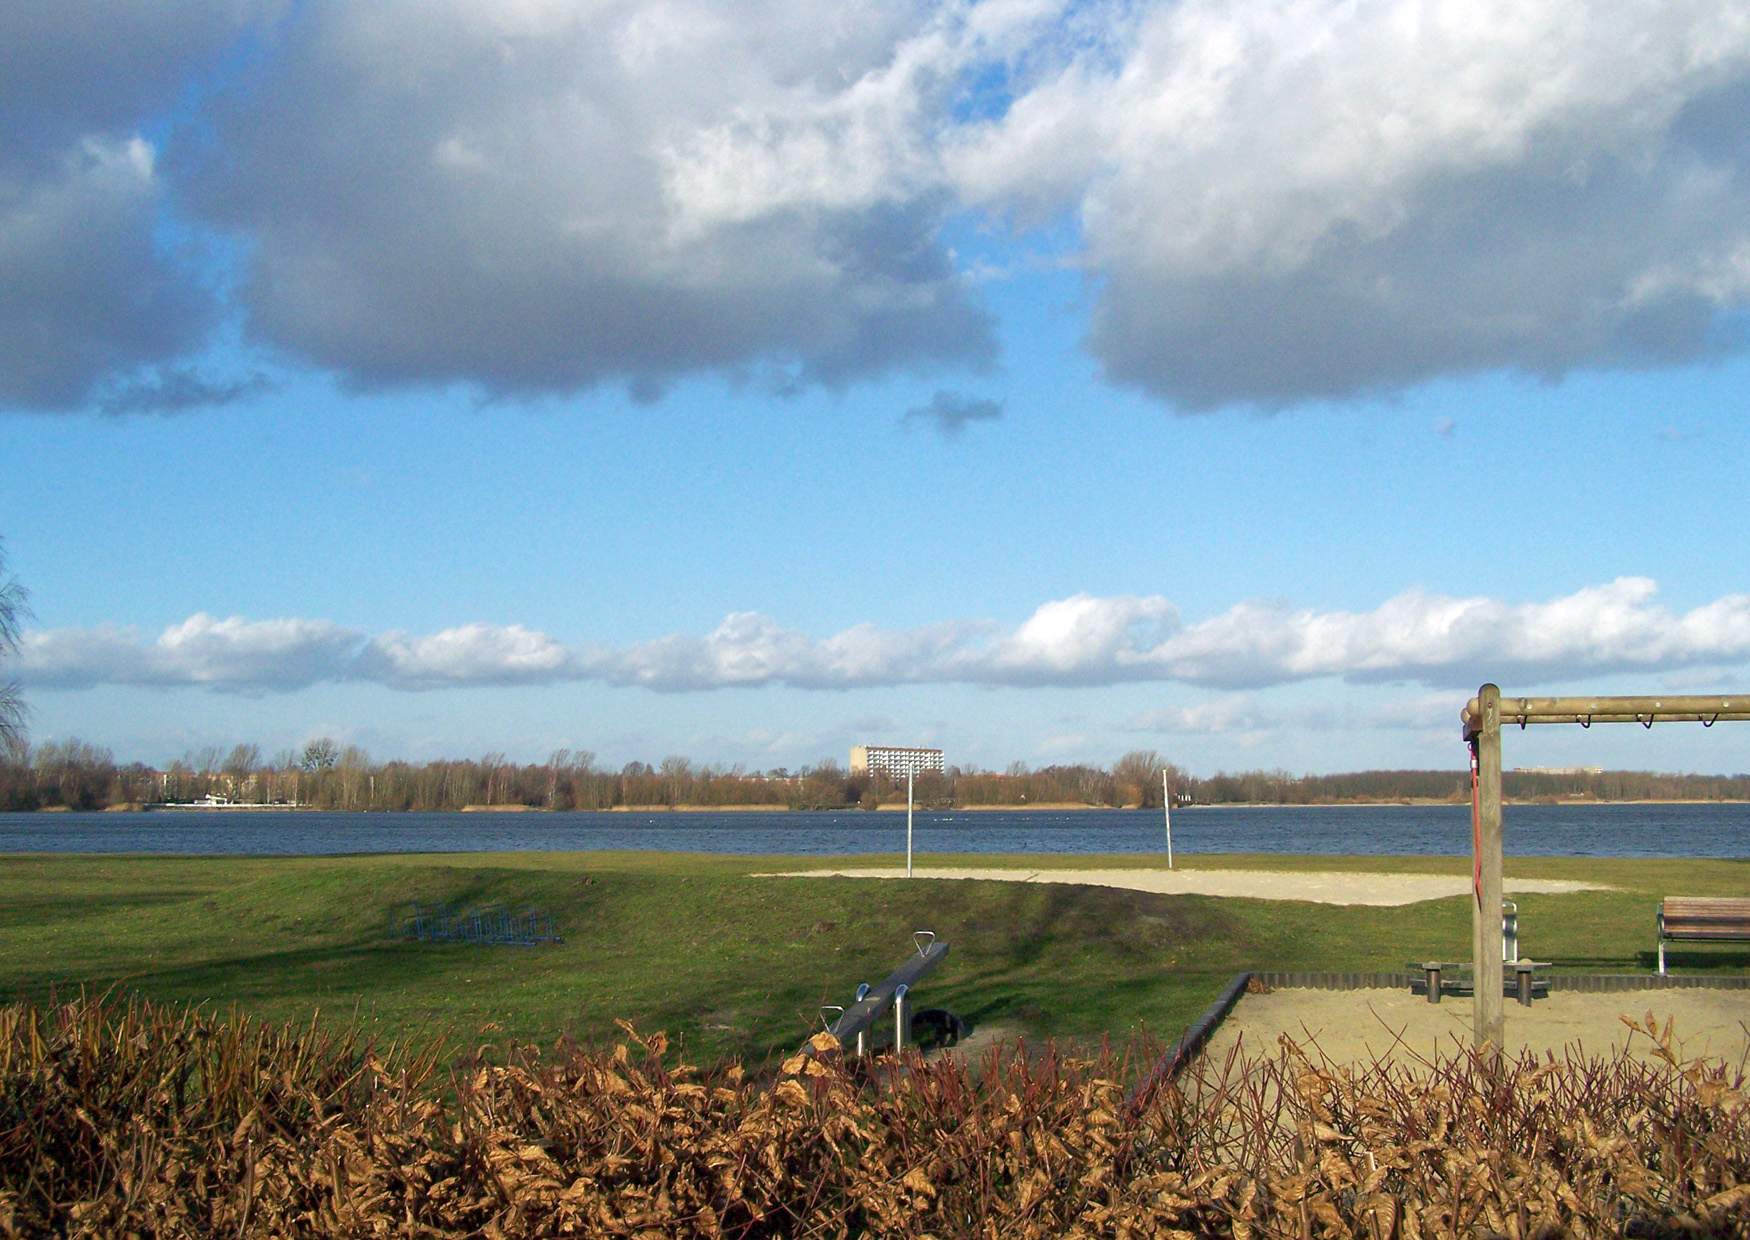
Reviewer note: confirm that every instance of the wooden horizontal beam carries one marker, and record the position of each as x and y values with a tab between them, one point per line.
1687	708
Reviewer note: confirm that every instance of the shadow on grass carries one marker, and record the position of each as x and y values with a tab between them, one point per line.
1697	958
20	912
361	969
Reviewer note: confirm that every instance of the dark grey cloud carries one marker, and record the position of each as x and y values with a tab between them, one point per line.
502	199
73	69
950	413
91	291
1539	268
88	292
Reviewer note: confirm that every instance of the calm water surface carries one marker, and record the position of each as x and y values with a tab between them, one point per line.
1532	830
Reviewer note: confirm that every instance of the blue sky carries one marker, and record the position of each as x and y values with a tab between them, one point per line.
1042	382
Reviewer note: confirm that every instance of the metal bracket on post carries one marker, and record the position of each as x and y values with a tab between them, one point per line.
1509	932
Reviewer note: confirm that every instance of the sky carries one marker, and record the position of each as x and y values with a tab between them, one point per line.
1245	381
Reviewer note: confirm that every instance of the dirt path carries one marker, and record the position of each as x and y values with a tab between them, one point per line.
1331	887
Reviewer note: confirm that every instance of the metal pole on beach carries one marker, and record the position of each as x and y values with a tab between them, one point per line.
1167	809
908	779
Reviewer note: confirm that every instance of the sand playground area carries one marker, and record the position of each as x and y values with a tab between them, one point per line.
1322	887
1358	1026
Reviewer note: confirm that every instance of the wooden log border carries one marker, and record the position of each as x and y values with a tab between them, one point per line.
1189	1045
1590	983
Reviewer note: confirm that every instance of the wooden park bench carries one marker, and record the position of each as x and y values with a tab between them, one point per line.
1702	919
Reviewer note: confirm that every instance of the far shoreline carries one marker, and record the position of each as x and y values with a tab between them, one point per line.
1057	807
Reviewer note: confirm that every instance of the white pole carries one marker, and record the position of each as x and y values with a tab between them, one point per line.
1167	809
908	779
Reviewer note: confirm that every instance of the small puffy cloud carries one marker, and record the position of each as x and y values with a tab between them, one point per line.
472	654
179	389
1083	639
950	413
233	653
750	649
81	658
1442	640
1437	640
255	656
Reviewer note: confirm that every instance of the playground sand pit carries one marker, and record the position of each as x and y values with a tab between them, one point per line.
1360	1026
1322	887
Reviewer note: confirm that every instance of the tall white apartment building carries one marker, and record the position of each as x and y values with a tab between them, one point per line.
894	760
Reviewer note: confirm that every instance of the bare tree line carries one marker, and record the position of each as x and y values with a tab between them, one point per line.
324	774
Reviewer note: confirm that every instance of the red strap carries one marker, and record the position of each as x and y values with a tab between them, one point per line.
1476	830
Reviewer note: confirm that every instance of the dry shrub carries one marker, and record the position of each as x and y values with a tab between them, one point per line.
120	1118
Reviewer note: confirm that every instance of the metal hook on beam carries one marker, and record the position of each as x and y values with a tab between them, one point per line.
1584	722
1708	723
1647	722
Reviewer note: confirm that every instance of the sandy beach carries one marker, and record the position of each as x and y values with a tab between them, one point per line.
1331	887
1356	1026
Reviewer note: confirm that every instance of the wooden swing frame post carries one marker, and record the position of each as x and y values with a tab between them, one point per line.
1482	718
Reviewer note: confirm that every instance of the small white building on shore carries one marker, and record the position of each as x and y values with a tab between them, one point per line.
895	761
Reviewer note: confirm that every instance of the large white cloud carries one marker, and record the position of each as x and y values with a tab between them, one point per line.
1313	198
540	197
1084	640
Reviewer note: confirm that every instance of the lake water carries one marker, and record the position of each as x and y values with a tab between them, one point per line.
1532	830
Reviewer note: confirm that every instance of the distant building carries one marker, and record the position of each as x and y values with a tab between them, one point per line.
894	760
1557	770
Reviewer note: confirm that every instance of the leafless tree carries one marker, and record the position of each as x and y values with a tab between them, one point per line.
14	608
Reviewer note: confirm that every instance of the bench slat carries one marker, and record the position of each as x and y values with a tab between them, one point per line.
1705	917
1735	906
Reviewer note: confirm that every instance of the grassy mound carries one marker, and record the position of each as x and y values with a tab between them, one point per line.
736	965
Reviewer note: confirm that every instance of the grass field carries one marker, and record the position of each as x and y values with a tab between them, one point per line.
732	964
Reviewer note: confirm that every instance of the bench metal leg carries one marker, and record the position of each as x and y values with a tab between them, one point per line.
1433	985
1524	980
1661	957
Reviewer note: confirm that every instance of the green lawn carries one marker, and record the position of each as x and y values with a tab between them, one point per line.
733	964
